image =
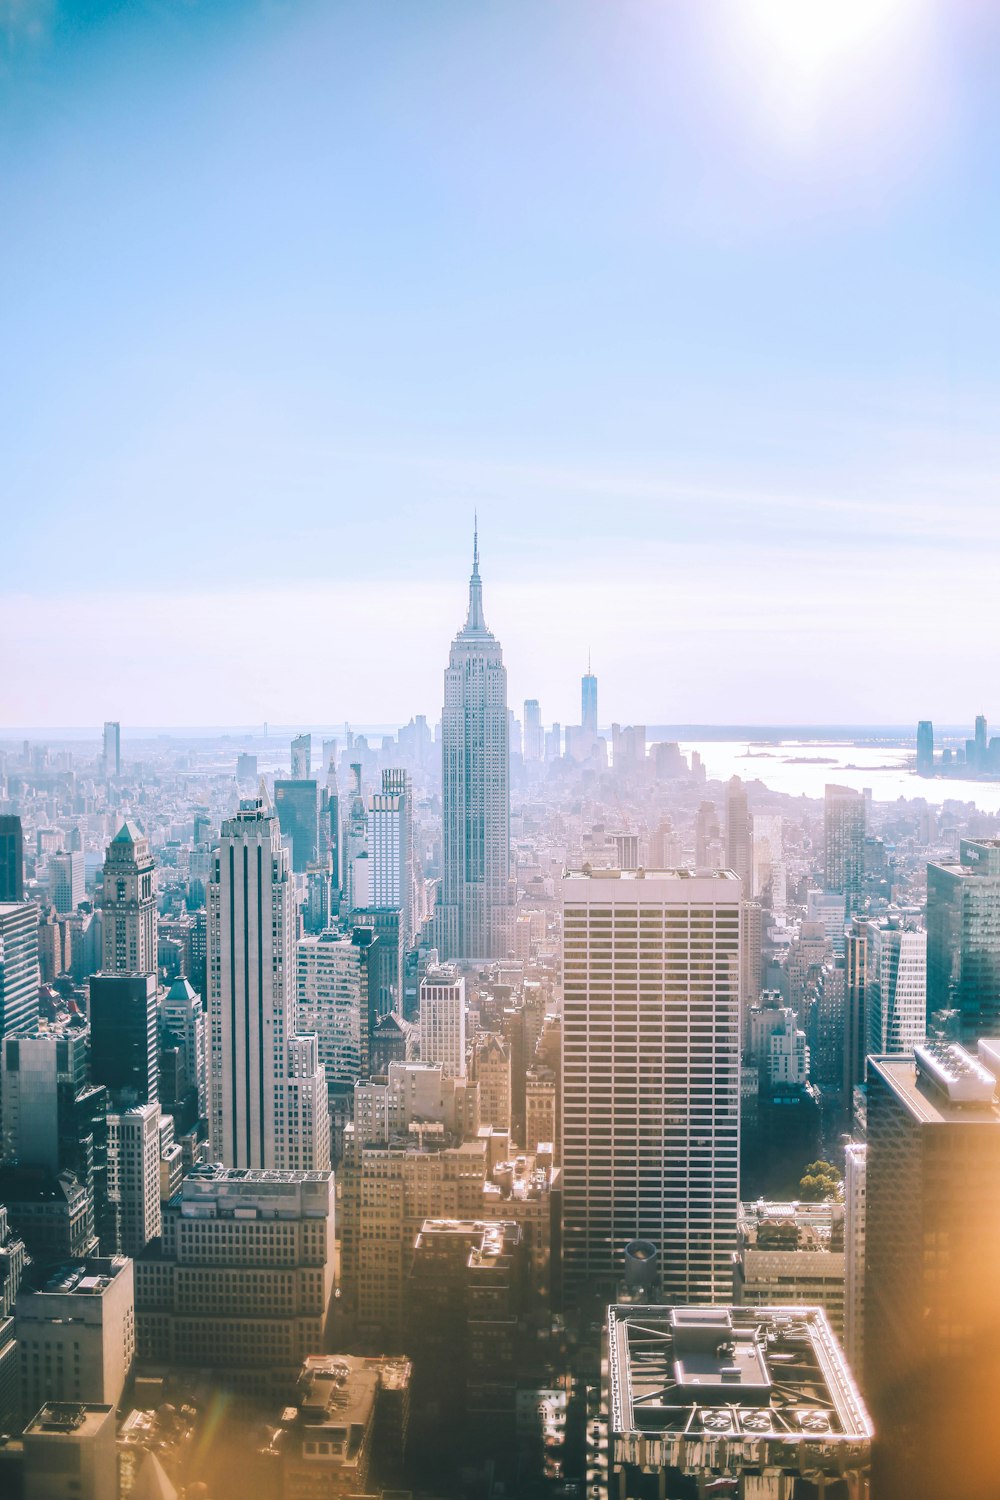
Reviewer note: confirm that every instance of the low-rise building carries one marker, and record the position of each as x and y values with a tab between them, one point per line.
791	1253
760	1397
76	1334
242	1278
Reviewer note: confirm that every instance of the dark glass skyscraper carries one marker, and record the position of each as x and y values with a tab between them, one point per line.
297	806
11	859
123	1037
963	938
925	748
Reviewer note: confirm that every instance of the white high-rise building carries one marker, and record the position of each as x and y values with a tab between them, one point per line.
651	1077
112	748
134	1173
442	1020
896	988
390	850
474	918
129	924
254	1052
332	1000
855	1213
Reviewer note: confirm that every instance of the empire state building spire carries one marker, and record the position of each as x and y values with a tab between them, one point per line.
475	623
473	919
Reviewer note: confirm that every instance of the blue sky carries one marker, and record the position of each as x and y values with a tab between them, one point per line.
701	312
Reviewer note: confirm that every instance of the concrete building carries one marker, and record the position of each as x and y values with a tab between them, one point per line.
475	915
67	887
390	849
387	1191
51	1211
334	979
442	1019
932	1296
182	1017
19	975
69	1452
252	921
347	1425
242	1279
651	1075
791	1254
491	1070
759	1397
129	927
76	1334
963	938
134	1173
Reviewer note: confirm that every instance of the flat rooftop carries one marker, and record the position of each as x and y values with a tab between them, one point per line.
630	876
927	1103
85	1277
760	1372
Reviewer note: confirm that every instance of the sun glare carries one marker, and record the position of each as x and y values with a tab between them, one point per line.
809	36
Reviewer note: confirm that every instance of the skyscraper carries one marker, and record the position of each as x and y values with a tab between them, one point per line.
963	938
301	757
297	806
534	735
739	835
932	1295
925	748
19	978
651	1076
123	1037
11	859
474	917
251	999
844	822
129	930
442	1020
390	849
66	880
895	987
588	695
112	748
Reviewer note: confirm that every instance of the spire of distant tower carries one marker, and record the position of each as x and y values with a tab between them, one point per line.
475	619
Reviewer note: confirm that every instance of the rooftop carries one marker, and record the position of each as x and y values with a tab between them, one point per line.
71	1419
85	1277
629	876
943	1083
773	1378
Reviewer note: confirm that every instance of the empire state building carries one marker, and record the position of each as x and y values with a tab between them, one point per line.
475	911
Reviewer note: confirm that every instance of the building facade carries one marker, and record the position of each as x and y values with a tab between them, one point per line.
651	1076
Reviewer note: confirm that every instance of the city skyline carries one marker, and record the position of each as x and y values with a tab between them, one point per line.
726	420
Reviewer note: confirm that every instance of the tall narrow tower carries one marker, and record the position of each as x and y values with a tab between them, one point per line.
475	911
588	702
267	1090
129	928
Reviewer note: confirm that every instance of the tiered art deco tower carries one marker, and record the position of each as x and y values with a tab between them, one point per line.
474	918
